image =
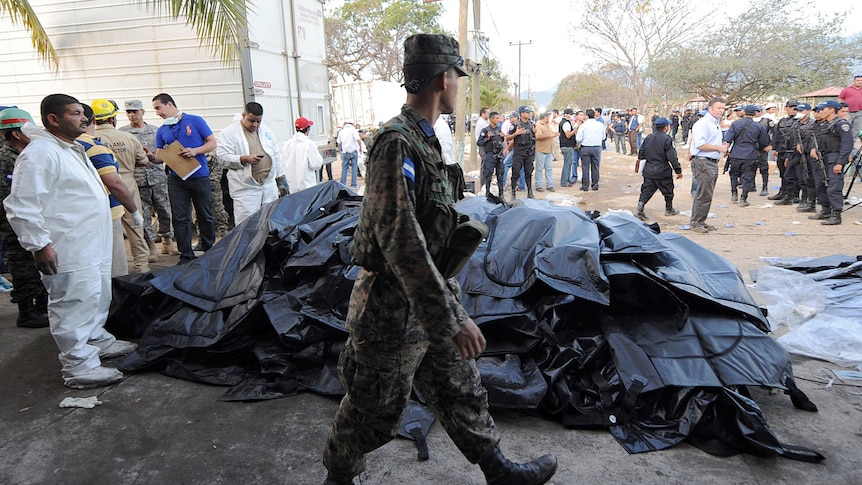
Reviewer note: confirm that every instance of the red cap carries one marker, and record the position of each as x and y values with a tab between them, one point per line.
303	123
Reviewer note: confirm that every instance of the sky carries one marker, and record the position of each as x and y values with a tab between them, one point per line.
545	24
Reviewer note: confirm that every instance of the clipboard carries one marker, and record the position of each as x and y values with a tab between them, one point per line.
184	167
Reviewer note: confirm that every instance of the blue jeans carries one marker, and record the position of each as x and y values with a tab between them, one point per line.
349	159
544	165
640	139
184	193
566	174
507	164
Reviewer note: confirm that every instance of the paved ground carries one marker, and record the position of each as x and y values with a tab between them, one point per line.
153	429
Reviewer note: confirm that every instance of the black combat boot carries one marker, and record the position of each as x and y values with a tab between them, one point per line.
805	205
640	211
834	219
822	214
788	200
29	315
529	182
669	210
743	200
763	186
734	196
778	196
42	302
499	470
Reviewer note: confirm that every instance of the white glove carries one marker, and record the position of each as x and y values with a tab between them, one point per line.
138	218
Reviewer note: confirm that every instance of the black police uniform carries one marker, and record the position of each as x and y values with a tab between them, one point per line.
835	140
787	161
661	163
763	157
525	153
748	138
806	130
491	141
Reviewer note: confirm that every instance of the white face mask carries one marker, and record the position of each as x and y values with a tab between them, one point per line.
172	120
757	120
799	116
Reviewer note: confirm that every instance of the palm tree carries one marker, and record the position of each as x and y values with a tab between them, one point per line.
218	23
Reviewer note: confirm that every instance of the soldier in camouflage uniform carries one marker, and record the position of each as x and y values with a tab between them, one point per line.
406	324
152	181
28	291
220	215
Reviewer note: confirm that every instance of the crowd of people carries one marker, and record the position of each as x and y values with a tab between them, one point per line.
76	187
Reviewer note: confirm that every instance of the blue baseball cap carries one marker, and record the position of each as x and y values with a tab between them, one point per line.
803	107
751	109
661	122
819	106
702	112
524	109
832	104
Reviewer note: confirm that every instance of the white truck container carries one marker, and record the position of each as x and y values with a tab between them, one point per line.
367	103
121	51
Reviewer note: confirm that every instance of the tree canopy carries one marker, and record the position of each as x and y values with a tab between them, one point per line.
365	38
770	49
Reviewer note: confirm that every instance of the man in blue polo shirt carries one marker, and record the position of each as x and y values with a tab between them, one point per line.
197	140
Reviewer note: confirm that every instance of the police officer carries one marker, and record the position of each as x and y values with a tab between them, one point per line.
834	144
805	128
491	141
660	155
763	157
523	135
28	291
406	325
748	139
786	159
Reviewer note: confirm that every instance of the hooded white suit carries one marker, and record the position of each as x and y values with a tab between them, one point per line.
302	160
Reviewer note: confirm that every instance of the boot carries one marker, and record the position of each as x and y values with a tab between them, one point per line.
669	210
530	193
822	214
499	470
805	206
743	201
29	315
42	302
640	211
778	196
500	193
514	193
168	246
785	201
154	251
734	196
333	481
529	182
834	219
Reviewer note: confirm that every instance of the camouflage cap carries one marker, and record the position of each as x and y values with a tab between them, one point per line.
433	50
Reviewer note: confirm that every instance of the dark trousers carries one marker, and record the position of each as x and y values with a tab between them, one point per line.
747	171
522	159
633	142
828	190
590	159
490	165
184	193
665	186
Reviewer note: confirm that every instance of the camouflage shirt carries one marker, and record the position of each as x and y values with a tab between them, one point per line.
406	213
8	154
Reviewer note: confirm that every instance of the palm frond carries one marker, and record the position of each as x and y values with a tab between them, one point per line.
21	12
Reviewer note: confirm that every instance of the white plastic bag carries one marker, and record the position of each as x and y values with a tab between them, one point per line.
790	297
826	337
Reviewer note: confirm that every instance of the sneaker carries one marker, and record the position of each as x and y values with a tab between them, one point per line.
539	189
858	223
710	228
97	377
118	349
551	189
699	229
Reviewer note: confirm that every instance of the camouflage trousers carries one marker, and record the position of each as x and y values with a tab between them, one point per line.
220	217
26	280
155	198
379	376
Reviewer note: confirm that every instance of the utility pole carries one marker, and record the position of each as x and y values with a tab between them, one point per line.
477	37
462	88
519	44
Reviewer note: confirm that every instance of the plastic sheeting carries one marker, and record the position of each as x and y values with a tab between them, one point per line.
820	300
594	322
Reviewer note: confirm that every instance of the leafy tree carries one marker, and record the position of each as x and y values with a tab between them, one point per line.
218	24
597	87
493	92
629	36
773	48
365	38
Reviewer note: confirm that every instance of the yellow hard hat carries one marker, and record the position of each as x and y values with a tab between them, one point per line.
103	109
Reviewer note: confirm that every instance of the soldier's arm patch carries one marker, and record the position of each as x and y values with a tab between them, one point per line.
845	127
409	170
